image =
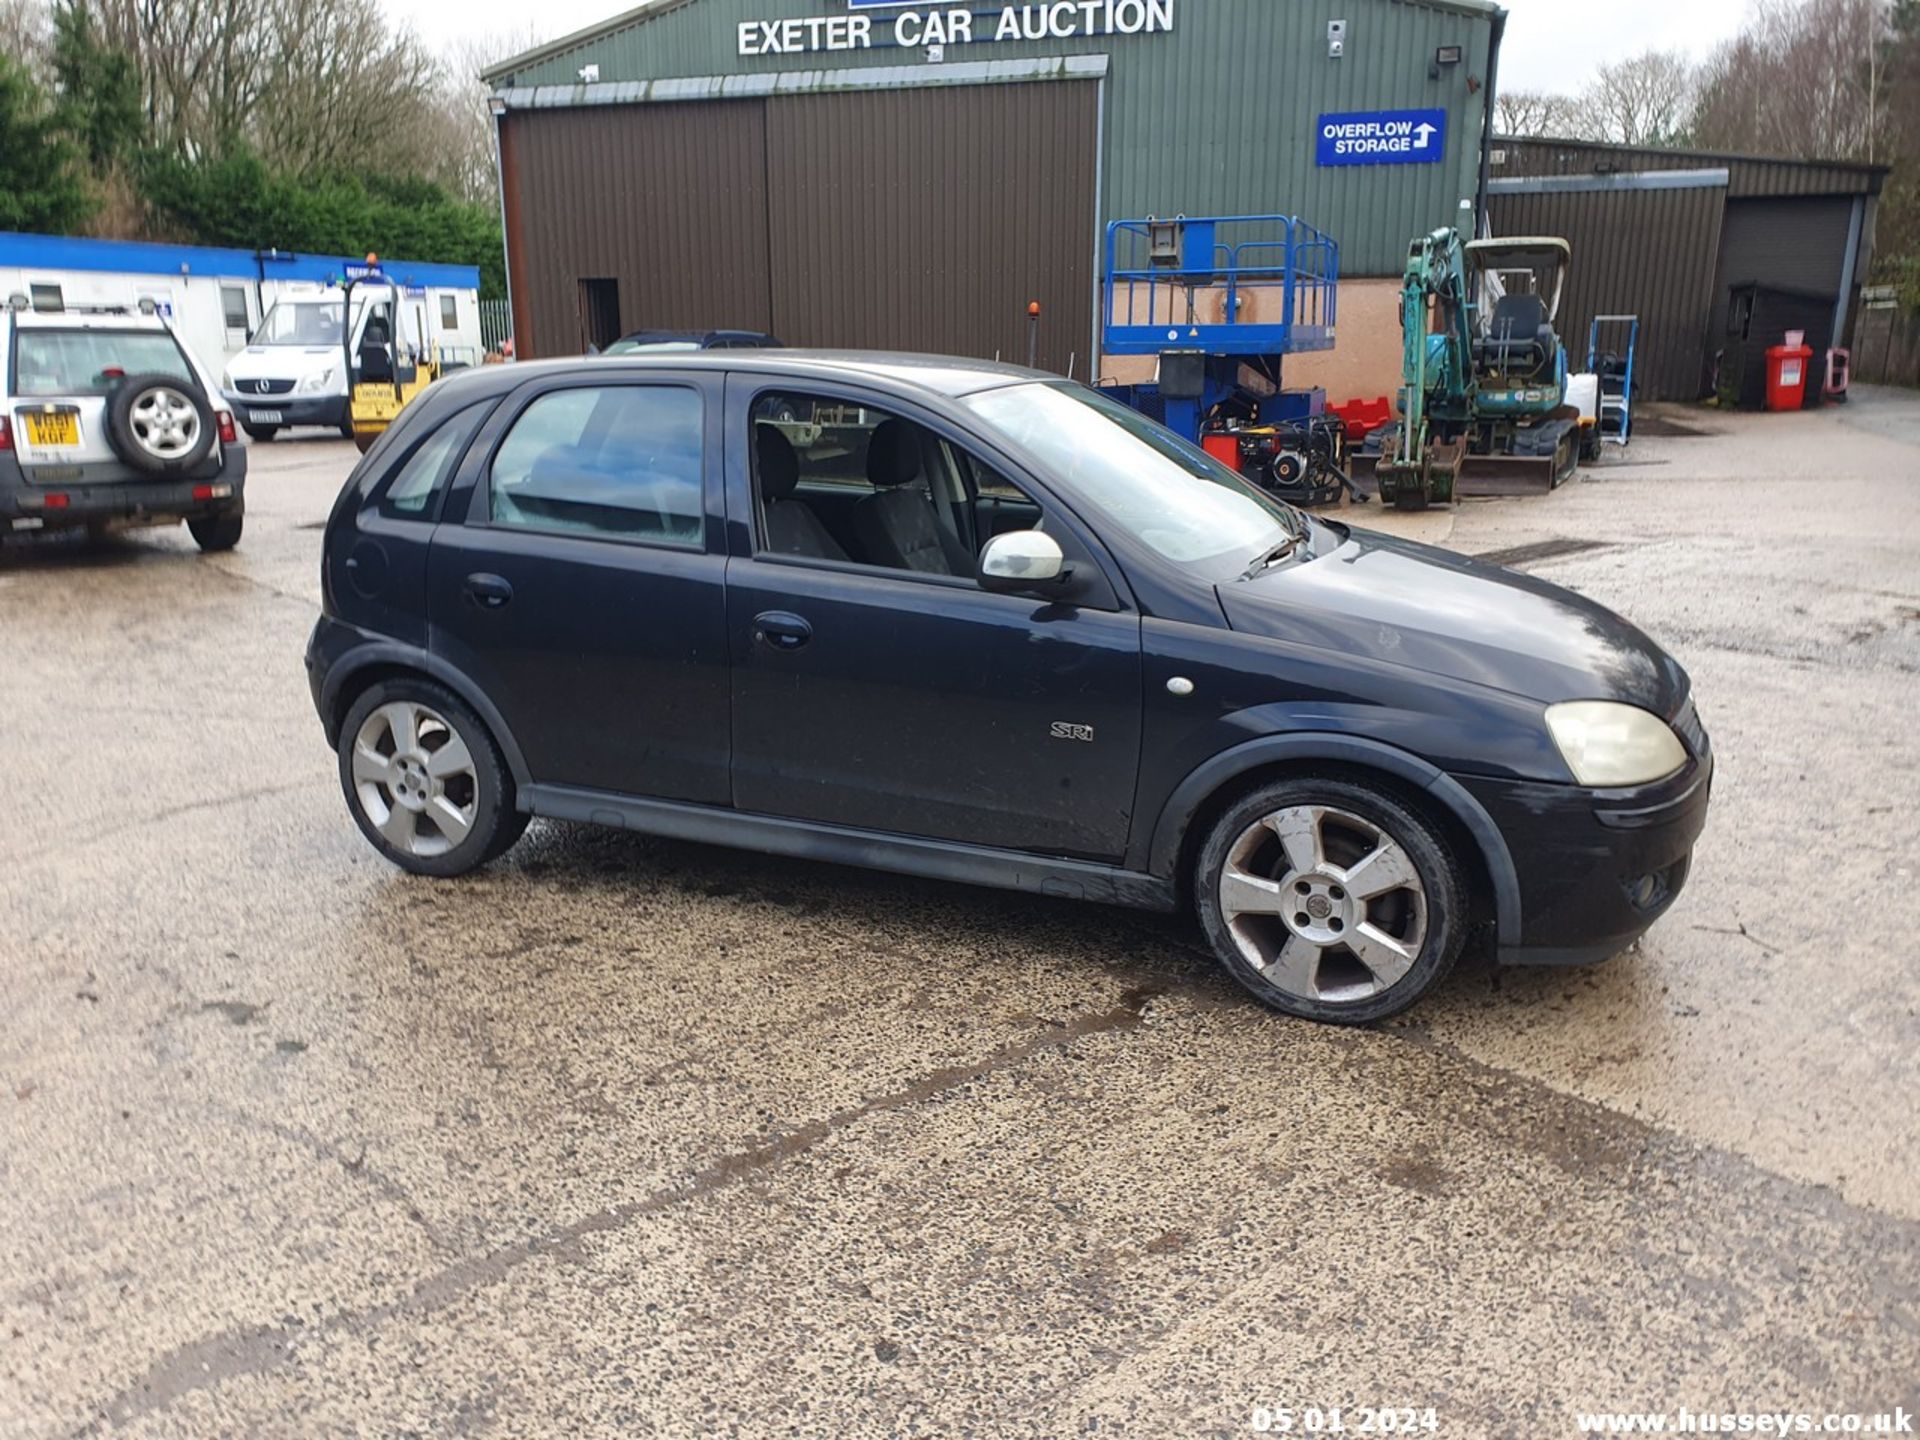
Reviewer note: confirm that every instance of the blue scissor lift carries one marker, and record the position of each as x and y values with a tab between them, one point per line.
1209	295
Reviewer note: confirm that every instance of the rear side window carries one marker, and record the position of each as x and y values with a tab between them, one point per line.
622	461
76	362
409	495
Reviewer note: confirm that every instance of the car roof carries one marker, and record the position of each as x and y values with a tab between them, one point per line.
945	375
85	320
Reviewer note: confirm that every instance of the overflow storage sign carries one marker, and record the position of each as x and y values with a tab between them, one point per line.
1383	137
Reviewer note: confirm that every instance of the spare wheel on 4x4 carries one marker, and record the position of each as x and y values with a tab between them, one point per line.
160	424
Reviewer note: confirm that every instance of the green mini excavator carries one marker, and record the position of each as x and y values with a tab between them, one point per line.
1484	377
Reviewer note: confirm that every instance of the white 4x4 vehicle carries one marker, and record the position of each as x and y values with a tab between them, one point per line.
108	421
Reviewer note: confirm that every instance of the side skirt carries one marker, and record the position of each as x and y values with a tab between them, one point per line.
871	849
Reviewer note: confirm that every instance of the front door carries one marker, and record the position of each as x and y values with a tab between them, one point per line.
874	684
583	592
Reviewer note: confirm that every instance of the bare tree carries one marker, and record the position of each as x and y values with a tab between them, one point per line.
309	84
24	31
1645	100
458	133
1534	112
1807	78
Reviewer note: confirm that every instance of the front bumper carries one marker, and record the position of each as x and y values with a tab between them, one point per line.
51	505
1596	867
330	410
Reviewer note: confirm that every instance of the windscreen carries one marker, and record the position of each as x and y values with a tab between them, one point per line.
1173	497
50	363
300	322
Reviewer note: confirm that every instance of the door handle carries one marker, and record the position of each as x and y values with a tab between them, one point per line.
489	592
781	630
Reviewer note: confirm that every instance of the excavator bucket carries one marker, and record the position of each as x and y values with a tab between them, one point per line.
1452	470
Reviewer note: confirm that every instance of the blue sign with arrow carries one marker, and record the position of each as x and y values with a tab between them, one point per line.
1383	137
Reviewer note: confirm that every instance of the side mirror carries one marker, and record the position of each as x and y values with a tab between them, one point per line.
1022	560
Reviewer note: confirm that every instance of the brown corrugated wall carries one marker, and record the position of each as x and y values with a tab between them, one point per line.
670	201
915	219
928	219
1645	252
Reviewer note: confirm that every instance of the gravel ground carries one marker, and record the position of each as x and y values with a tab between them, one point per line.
627	1137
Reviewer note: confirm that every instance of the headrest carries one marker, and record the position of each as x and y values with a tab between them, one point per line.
893	454
779	467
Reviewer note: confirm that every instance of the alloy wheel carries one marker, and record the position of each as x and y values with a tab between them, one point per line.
414	778
165	422
1325	904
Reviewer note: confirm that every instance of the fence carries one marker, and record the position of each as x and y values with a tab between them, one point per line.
496	324
1886	341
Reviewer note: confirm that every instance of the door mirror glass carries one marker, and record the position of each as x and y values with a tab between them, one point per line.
1021	560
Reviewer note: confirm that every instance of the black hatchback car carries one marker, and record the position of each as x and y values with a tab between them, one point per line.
974	622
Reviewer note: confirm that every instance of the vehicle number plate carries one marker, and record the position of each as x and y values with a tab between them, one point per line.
59	428
264	417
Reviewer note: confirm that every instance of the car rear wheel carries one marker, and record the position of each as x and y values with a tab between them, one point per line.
424	779
1331	899
216	532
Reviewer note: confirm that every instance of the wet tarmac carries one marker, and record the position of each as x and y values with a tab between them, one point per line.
624	1137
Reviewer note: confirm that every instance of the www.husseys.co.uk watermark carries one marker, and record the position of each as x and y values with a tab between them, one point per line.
1744	1422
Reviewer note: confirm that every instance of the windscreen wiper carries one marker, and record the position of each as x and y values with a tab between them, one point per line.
1272	556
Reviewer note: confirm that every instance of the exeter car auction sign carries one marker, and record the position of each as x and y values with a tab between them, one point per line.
912	27
1383	137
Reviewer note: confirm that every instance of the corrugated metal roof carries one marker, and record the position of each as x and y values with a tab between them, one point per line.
1749	176
1218	116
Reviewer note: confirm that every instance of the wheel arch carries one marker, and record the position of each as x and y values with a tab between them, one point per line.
352	676
1214	785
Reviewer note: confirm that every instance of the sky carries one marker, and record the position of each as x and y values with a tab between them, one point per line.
1550	45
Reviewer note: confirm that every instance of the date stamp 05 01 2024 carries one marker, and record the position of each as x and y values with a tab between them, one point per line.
1344	1420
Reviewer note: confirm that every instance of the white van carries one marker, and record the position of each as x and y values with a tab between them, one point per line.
294	370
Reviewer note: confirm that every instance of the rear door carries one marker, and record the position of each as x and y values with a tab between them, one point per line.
583	590
57	390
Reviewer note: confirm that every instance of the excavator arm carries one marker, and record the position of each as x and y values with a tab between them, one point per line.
1436	327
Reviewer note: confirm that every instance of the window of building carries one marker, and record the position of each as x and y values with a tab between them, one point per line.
233	304
623	461
449	312
46	297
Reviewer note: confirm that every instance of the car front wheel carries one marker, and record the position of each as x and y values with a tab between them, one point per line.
1331	899
424	779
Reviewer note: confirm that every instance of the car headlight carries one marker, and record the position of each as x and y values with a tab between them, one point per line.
226	380
1609	744
319	381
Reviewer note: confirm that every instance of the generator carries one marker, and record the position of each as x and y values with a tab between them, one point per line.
1302	461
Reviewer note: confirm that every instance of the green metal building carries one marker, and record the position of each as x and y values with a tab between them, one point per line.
847	172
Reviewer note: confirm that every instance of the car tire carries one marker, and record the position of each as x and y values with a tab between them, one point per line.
1285	886
427	814
217	532
160	424
262	433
